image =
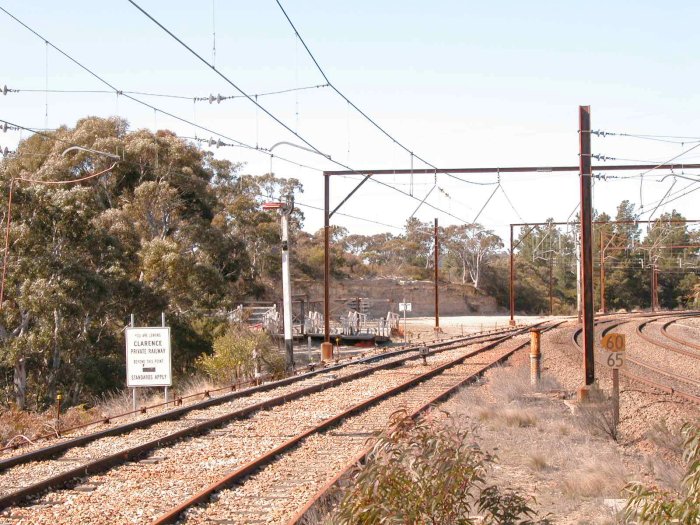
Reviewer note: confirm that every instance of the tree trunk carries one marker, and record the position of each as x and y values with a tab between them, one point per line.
20	383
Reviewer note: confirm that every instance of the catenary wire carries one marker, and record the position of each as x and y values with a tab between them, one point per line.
210	98
272	116
361	112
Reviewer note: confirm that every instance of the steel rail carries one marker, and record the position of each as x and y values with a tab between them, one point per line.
55	449
107	462
634	377
656	342
680	340
362	455
174	514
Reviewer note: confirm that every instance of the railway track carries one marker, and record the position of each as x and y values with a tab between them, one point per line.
670	342
258	498
681	340
643	372
219	439
14	455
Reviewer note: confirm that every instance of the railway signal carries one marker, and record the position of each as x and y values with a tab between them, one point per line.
285	209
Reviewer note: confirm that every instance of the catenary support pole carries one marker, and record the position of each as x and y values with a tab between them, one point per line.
602	271
437	290
511	287
551	294
586	244
287	284
326	259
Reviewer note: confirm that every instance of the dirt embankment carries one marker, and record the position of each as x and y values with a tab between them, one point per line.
385	294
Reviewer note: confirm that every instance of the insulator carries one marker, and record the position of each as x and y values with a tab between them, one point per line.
4	89
211	99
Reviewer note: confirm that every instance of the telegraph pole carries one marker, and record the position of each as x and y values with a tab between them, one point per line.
586	246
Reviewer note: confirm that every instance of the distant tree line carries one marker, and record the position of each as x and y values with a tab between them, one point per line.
172	229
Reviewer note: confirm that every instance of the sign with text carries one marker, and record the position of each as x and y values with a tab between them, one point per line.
614	346
404	307
148	357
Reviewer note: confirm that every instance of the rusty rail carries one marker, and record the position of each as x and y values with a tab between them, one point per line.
173	515
299	515
107	462
634	377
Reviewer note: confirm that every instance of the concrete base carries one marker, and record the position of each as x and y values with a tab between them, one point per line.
326	351
584	394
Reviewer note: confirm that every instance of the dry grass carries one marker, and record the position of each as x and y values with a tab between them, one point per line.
596	477
507	417
537	461
510	383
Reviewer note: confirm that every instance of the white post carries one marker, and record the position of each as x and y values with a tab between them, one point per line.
404	321
578	279
287	285
133	389
165	393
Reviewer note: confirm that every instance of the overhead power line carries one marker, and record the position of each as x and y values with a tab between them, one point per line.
146	104
673	139
274	117
360	111
210	98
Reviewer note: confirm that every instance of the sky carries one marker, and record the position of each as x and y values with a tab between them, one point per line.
459	83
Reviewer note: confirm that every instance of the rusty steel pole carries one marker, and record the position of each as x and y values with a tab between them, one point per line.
326	258
586	244
511	287
602	271
437	293
551	296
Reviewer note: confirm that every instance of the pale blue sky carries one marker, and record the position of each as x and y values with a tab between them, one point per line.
463	84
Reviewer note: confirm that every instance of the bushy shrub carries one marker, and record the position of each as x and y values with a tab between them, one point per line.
238	354
655	506
429	472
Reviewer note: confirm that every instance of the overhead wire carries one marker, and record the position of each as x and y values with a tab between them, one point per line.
271	115
360	111
210	98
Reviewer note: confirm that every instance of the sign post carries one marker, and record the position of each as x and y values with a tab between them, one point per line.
148	360
614	348
404	307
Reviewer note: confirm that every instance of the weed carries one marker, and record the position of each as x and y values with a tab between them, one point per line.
596	477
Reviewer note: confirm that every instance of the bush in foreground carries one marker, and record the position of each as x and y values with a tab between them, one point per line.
429	472
654	506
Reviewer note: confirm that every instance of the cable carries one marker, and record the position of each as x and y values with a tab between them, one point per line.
268	113
367	117
146	104
659	138
509	202
210	98
351	216
217	143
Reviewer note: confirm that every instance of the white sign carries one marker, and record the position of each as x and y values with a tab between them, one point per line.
404	307
614	346
148	357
